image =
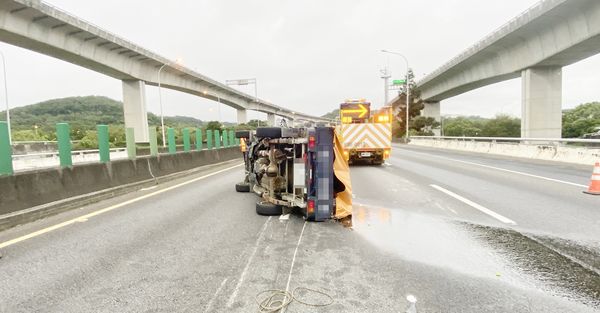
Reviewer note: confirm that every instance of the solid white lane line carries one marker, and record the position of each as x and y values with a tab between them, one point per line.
503	170
214	297
245	270
110	208
287	286
475	205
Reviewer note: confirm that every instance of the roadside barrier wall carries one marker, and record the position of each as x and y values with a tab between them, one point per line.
28	189
560	153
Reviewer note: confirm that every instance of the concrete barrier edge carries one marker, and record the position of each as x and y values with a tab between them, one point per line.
171	169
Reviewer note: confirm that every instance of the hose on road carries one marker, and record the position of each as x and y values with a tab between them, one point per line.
277	299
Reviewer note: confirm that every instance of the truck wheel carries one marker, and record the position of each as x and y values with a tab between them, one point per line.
269	132
267	208
242	187
377	162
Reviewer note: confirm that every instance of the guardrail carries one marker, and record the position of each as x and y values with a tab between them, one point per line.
514	139
56	153
569	150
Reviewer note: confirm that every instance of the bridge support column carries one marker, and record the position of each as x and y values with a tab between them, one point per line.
242	116
541	105
271	119
134	109
432	109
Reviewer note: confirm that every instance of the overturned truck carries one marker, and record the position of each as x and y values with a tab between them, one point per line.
298	168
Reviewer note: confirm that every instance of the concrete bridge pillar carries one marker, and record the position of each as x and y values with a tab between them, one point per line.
242	116
432	109
541	105
134	109
271	119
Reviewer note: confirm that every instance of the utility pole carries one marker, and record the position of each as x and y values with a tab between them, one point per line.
407	88
385	74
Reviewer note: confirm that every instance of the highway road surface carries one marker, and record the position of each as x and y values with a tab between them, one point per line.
460	232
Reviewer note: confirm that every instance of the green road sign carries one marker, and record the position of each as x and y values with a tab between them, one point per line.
399	81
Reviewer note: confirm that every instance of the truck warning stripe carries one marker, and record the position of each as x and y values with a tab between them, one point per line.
373	135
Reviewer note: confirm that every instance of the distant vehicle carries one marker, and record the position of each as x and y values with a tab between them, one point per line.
367	135
296	168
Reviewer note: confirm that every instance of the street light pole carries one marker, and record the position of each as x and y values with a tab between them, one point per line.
162	116
407	88
6	98
385	74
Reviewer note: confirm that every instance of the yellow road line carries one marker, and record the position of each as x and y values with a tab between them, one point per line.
110	208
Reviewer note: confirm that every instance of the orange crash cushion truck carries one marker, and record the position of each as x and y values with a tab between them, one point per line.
367	134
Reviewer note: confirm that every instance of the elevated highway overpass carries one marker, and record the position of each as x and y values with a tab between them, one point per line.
40	27
534	46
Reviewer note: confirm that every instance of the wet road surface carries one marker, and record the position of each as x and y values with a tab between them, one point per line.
200	247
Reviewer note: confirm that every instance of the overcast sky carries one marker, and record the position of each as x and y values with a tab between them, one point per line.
307	55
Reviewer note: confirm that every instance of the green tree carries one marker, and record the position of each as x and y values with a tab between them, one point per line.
423	126
581	120
333	114
28	135
502	126
254	123
244	126
399	106
88	141
116	135
214	125
462	126
475	126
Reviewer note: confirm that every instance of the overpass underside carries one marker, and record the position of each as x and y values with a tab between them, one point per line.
40	27
534	46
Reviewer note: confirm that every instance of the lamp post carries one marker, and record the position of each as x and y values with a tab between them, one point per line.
162	116
407	87
6	98
244	82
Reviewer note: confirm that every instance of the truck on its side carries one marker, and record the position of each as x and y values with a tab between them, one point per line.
294	168
367	134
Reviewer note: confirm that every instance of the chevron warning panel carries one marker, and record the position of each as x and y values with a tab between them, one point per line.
367	136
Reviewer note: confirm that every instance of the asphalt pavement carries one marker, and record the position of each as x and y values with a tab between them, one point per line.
460	237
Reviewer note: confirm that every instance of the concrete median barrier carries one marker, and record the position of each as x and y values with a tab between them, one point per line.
35	194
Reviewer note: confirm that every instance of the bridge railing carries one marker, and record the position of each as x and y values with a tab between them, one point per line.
534	141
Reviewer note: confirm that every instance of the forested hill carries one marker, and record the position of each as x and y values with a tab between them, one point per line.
82	113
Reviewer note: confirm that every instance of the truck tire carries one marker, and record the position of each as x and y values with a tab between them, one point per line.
242	134
268	209
269	132
242	187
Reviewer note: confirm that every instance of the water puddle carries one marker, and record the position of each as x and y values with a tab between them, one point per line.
430	240
477	250
553	270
